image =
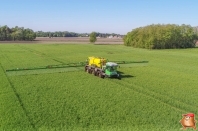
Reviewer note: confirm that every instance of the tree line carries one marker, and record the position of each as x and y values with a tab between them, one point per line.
72	34
162	36
56	34
16	33
20	33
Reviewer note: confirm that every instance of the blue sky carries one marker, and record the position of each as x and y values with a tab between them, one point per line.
105	16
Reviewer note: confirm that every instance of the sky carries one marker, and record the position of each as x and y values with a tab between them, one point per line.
104	16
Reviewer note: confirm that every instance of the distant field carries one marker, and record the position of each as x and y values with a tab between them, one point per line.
150	96
66	40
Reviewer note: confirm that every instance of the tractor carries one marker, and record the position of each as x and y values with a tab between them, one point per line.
100	67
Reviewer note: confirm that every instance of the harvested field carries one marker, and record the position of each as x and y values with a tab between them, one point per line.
68	40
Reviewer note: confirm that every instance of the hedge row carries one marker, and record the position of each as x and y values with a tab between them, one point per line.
162	37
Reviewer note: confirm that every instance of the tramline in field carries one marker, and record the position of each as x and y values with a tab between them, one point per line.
46	87
97	66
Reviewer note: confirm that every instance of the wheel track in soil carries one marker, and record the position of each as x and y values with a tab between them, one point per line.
40	54
6	58
19	99
36	53
165	99
172	102
44	56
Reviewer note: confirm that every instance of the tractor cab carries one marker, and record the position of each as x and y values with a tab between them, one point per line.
111	69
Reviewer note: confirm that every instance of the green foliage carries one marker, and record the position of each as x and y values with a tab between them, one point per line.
72	34
150	96
162	37
92	37
56	34
16	33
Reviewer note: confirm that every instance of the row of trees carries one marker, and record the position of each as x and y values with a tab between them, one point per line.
16	33
71	34
20	33
56	34
162	36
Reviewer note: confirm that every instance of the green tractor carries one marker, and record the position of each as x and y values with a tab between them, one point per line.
100	67
110	70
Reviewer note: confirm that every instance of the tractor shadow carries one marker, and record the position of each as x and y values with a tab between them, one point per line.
123	75
126	76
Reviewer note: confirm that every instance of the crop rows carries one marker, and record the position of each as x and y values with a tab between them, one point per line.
150	96
12	113
56	100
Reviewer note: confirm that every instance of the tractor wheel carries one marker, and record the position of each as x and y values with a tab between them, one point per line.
100	75
88	70
97	73
119	77
93	72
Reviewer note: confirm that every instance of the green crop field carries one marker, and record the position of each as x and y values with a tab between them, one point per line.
150	96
